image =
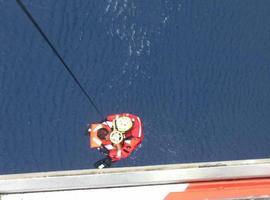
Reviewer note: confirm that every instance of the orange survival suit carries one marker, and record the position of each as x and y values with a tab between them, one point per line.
132	137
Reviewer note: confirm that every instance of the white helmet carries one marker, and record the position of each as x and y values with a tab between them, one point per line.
116	137
123	124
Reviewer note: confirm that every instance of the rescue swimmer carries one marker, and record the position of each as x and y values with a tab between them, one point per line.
116	137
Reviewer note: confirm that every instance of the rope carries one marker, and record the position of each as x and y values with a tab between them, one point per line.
22	6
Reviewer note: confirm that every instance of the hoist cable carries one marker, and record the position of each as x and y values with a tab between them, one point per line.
31	18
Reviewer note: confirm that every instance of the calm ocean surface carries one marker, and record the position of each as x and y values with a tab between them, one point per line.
196	72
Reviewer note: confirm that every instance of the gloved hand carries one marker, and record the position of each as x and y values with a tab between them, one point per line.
103	163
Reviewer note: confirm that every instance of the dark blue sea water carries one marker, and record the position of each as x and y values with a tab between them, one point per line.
196	72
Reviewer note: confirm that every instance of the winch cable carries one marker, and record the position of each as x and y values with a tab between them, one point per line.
31	18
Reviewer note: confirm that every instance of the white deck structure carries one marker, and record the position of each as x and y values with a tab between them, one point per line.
133	181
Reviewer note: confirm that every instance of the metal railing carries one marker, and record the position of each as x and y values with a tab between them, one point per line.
134	176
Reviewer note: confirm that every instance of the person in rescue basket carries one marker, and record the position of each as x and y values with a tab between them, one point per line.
118	136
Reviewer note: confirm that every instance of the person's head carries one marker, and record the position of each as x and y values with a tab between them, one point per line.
123	124
102	133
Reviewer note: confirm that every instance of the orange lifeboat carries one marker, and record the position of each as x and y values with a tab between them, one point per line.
95	142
